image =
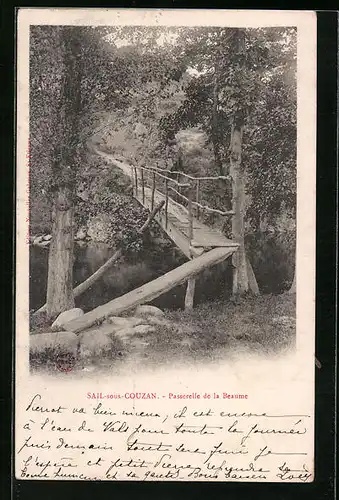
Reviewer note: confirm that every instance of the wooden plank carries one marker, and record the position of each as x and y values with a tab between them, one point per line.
151	290
153	191
189	297
204	236
143	186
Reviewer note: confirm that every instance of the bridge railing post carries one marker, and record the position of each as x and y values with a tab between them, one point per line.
190	215
166	202
132	175
142	185
153	191
197	197
136	181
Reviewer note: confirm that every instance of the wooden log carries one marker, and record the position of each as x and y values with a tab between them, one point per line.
151	290
136	182
77	291
153	191
143	186
190	217
189	297
166	206
132	176
151	216
197	198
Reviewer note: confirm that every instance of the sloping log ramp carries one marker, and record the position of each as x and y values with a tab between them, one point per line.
150	291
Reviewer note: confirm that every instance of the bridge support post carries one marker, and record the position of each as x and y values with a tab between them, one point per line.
189	297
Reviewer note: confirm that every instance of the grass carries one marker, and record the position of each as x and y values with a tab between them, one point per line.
265	324
214	330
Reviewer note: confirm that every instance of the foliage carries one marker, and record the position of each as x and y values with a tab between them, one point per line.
140	88
259	83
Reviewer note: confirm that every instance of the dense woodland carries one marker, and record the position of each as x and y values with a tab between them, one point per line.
217	101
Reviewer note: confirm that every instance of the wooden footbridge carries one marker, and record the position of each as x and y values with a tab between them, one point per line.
180	215
178	195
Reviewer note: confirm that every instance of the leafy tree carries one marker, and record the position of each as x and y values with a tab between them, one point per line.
243	95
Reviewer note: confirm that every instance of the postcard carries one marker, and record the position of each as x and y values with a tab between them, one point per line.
165	245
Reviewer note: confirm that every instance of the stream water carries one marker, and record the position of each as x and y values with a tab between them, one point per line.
272	266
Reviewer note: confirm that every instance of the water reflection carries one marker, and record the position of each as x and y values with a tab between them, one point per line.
272	262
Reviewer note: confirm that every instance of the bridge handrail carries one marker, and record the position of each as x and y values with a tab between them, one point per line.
203	207
154	170
192	177
193	196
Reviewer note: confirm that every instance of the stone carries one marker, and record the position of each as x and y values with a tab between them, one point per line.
65	342
47	237
81	234
138	344
44	243
149	311
94	343
118	322
37	240
159	321
140	130
143	329
125	334
67	316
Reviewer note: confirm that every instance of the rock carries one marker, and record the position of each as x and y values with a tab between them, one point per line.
66	342
154	320
138	344
143	329
47	237
37	240
140	130
94	343
44	243
118	322
81	243
67	316
149	311
81	234
125	334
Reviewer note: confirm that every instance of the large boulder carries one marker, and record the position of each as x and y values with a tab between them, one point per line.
145	311
67	316
94	343
56	342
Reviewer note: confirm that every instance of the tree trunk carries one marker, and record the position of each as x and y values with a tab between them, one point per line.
215	127
60	262
240	276
80	289
243	277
